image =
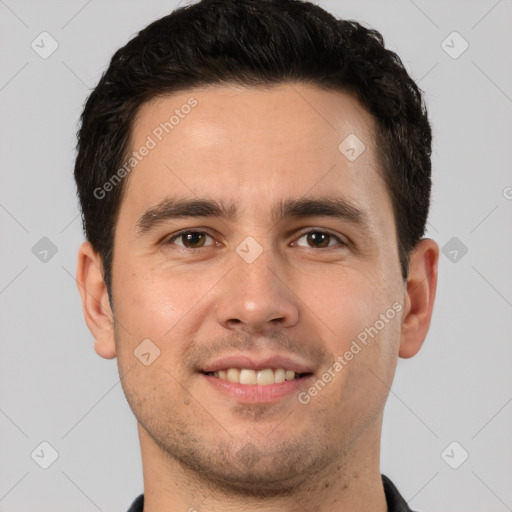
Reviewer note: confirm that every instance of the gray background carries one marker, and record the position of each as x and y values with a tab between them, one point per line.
55	388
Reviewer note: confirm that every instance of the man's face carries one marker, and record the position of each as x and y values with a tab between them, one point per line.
256	285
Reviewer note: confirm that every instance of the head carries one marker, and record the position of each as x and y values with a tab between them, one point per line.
272	113
286	41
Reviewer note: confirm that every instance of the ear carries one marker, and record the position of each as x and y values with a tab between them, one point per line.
95	304
420	296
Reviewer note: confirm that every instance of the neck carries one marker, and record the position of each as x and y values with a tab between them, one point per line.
351	482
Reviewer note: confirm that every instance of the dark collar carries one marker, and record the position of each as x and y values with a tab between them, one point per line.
138	504
393	498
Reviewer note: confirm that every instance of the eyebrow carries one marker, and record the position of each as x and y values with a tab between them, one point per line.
322	206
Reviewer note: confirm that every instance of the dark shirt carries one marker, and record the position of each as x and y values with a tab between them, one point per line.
393	498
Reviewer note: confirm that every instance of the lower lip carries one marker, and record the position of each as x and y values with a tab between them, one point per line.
256	394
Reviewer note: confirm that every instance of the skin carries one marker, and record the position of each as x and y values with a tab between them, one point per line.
200	449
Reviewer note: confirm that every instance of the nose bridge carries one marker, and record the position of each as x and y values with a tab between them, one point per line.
254	293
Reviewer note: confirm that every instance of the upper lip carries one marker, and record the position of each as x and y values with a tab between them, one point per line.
259	362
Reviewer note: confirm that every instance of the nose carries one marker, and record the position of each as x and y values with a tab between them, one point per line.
256	296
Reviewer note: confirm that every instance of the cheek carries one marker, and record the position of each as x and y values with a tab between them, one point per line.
344	302
355	314
166	308
151	305
150	388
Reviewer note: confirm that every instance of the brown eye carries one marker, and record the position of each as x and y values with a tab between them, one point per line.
320	240
190	239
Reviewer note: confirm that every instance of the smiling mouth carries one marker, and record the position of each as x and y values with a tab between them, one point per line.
264	377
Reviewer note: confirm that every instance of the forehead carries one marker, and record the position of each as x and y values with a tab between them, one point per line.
254	146
283	115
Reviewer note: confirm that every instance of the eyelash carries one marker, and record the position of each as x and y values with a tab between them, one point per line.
169	241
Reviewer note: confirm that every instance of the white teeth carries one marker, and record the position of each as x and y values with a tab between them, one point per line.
261	377
264	377
290	375
233	375
279	376
247	377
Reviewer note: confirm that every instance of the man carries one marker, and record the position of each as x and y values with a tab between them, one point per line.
254	177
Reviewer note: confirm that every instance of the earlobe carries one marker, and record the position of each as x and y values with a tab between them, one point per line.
420	296
95	304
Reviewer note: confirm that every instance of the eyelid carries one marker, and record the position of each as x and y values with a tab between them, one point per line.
322	230
178	234
305	231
